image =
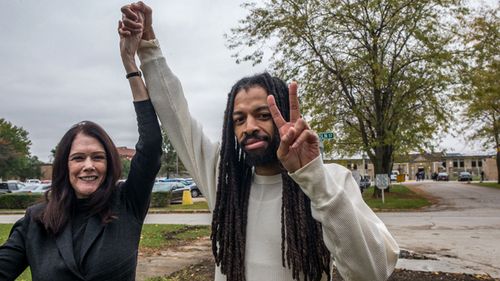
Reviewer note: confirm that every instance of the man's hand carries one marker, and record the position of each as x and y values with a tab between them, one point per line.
130	17
299	145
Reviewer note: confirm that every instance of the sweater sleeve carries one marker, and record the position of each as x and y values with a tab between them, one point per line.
361	245
198	154
13	260
146	162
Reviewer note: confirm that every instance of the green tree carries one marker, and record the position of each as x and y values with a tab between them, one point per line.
53	154
125	167
14	147
479	97
374	72
170	163
30	168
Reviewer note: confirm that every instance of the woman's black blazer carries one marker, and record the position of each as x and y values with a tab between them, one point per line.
109	251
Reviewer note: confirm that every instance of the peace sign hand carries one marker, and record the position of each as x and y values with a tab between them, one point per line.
299	144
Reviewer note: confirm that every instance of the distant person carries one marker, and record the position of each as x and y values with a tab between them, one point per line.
482	176
279	213
356	175
89	226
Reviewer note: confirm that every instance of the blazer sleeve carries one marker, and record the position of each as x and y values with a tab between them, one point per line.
360	244
146	162
13	260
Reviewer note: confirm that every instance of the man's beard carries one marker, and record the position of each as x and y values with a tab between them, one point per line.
261	157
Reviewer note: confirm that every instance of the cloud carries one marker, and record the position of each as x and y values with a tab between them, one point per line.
61	65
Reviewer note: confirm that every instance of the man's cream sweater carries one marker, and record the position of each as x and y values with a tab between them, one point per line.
359	242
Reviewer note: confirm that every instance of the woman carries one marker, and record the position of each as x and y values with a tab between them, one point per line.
89	227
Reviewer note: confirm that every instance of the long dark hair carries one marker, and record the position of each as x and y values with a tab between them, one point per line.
302	247
61	199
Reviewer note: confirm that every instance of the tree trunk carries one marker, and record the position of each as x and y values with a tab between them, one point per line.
382	164
498	164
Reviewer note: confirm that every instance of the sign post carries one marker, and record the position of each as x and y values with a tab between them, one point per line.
325	136
382	182
322	137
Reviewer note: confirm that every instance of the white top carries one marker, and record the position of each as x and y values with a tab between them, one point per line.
360	244
357	176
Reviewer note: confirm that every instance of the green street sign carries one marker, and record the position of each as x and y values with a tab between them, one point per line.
325	136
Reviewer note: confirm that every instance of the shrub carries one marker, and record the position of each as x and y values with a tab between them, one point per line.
19	200
160	199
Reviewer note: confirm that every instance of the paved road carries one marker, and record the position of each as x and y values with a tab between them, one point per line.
192	219
462	231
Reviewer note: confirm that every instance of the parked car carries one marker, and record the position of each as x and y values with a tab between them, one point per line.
185	182
394	175
11	187
442	177
464	176
364	183
41	188
178	192
30	187
33	181
161	186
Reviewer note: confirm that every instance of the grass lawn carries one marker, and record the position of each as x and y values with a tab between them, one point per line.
154	237
488	184
4	233
161	236
202	205
400	198
197	206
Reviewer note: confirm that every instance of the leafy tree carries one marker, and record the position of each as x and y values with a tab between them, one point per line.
170	163
480	94
125	167
14	147
29	168
53	154
374	72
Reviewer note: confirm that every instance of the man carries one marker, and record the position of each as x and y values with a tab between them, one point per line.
279	213
356	175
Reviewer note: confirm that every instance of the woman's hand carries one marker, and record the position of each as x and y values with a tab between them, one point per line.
130	14
130	39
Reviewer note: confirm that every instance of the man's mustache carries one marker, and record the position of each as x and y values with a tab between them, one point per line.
254	136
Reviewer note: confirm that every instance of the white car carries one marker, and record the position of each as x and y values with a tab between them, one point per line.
33	181
41	188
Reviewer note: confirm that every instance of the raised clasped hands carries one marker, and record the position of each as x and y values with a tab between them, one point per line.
130	35
136	24
299	144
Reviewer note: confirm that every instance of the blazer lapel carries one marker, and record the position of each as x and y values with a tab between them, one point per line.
64	242
93	230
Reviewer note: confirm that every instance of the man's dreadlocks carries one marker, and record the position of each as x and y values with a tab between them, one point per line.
302	247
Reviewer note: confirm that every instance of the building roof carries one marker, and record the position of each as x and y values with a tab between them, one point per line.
125	152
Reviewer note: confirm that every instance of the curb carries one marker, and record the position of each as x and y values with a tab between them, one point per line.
201	211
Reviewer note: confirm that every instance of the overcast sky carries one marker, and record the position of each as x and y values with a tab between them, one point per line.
61	65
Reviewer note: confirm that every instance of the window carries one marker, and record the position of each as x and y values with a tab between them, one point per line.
444	164
461	163
473	163
480	163
455	163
